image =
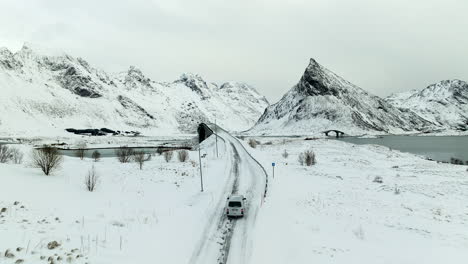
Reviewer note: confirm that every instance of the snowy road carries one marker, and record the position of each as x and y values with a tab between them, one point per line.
229	240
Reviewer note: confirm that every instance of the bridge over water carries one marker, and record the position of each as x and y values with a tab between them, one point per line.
337	133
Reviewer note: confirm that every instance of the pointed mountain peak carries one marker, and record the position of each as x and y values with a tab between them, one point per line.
5	53
134	71
313	63
318	80
134	76
447	83
313	66
7	59
235	85
444	89
4	50
191	77
194	82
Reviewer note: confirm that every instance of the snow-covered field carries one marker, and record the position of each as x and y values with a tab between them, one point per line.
134	216
334	212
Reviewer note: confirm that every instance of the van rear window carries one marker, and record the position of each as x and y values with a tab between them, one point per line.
235	204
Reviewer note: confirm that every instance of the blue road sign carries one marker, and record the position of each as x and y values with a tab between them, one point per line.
273	164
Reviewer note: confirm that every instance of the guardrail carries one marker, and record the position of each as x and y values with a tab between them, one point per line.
250	155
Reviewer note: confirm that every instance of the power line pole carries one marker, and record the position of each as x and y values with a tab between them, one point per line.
216	132
201	173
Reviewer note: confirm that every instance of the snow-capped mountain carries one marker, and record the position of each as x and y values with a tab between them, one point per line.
445	104
42	93
323	100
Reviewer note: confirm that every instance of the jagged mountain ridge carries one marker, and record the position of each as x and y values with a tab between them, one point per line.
444	103
323	100
45	93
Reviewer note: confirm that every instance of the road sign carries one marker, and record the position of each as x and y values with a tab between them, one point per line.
273	166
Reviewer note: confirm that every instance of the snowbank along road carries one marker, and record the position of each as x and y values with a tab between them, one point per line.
227	240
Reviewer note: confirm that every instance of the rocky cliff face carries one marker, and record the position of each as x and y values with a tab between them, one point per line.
44	93
323	100
445	104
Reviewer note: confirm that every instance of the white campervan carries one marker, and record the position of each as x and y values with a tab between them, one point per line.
235	205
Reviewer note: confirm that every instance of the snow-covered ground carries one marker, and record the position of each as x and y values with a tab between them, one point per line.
134	216
334	212
44	93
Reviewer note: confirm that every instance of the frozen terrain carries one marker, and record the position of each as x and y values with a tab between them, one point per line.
334	212
44	92
322	100
134	216
444	103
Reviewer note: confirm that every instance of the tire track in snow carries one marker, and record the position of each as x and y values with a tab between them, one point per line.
224	225
233	233
241	242
231	224
251	174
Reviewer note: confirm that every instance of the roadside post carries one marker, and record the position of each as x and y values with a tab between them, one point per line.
201	173
273	165
216	133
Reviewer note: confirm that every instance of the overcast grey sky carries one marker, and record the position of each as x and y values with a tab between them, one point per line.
382	46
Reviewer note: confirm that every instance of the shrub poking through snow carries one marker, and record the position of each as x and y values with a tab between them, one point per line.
9	254
5	153
16	156
140	157
47	159
80	151
53	245
91	179
167	155
182	155
253	143
160	151
124	154
10	154
307	158
378	179
285	154
456	161
96	155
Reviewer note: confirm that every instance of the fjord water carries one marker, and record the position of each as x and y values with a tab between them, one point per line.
440	148
106	152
